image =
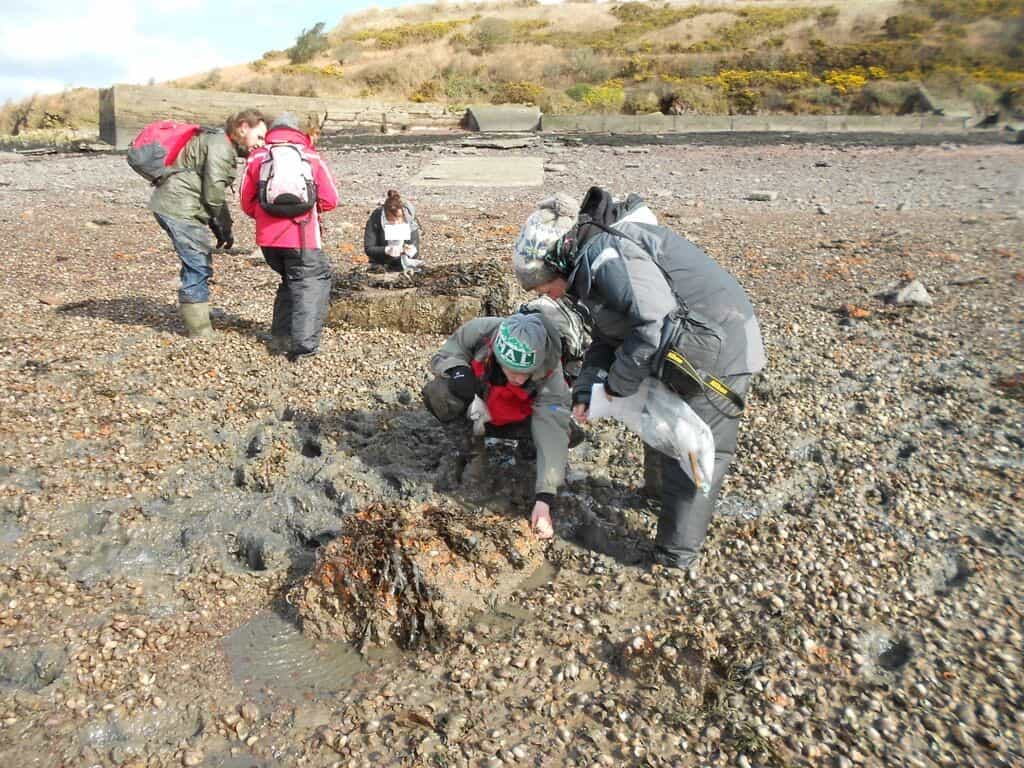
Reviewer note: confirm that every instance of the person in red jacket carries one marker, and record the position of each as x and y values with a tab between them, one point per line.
292	246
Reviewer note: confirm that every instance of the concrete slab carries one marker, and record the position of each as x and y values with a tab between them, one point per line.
490	118
482	172
501	142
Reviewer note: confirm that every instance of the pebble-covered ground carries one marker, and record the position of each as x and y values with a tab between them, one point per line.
859	602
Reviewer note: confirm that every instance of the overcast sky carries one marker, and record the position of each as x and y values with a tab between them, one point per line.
49	46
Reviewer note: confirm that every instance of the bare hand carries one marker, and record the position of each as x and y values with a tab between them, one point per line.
540	521
579	412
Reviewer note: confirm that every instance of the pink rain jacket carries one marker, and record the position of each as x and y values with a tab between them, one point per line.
284	233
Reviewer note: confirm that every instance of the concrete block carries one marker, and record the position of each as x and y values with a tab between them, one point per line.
511	171
499	118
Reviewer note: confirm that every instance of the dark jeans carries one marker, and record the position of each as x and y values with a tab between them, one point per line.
300	305
686	513
191	242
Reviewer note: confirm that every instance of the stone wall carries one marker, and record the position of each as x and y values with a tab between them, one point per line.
658	123
124	109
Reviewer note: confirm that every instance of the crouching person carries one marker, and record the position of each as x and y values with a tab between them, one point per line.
505	377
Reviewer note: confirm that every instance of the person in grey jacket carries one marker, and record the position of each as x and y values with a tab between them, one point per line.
381	245
505	375
644	284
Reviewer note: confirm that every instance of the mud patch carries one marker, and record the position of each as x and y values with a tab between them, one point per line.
32	668
270	658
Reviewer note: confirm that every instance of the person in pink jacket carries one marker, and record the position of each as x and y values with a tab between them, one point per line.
292	245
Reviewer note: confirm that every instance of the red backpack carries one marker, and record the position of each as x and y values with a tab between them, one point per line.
157	146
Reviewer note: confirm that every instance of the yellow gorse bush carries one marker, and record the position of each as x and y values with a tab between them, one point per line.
410	34
844	82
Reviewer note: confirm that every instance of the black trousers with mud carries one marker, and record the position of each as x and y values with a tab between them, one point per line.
300	305
685	512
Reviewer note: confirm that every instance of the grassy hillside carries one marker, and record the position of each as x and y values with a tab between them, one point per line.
715	57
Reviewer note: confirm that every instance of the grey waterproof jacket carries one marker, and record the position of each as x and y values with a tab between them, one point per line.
549	424
197	190
637	285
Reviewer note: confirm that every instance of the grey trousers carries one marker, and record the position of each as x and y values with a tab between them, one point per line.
300	305
685	512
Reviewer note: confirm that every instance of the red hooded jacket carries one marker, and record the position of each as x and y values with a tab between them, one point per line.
284	233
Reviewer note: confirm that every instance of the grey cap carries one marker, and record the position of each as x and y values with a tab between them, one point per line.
285	120
520	343
551	219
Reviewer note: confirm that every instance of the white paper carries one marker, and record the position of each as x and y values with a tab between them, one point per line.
397	233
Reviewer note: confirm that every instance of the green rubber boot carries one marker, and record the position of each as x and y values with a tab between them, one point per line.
197	320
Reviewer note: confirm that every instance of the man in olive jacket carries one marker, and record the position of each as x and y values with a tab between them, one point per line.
506	375
192	200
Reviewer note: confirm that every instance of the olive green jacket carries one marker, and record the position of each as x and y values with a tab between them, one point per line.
549	424
205	169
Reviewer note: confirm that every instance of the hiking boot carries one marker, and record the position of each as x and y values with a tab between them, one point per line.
279	345
576	434
197	320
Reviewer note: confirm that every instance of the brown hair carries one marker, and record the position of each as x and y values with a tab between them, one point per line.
312	125
250	117
393	203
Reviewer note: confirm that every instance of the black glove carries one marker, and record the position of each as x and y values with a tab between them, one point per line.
462	382
221	226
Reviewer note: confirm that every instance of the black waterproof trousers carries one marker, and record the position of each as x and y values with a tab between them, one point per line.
685	512
300	305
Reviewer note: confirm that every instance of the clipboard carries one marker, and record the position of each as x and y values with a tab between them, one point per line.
397	233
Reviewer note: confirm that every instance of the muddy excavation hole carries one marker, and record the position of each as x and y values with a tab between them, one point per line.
894	655
433	300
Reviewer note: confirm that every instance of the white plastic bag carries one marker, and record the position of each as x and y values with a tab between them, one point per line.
665	422
479	414
409	263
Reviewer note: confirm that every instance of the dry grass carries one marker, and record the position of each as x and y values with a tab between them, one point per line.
74	109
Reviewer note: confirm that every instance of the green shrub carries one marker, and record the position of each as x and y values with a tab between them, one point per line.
308	45
984	98
970	10
820	98
490	32
883	97
827	17
589	66
464	86
578	91
381	76
906	25
641	101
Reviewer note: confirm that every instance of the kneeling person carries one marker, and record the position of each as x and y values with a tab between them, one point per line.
506	375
